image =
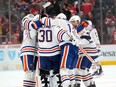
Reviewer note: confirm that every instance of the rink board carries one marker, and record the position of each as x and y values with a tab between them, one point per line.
9	56
108	55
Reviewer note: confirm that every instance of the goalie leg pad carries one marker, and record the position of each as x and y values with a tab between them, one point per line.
44	75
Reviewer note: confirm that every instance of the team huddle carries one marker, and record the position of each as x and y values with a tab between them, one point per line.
64	51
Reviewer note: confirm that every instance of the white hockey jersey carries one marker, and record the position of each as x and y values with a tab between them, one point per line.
66	25
88	44
49	39
29	38
95	37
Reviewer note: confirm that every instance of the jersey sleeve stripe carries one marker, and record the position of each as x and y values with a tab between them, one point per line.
34	25
60	33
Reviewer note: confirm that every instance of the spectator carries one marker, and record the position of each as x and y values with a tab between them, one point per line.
35	9
87	8
15	36
110	22
72	9
113	36
0	30
66	10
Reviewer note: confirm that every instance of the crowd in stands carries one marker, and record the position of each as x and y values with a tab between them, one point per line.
86	9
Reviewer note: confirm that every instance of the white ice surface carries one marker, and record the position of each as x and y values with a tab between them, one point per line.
15	78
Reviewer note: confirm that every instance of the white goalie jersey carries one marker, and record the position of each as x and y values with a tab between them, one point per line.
49	39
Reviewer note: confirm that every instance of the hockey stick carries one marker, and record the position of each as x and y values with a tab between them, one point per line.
75	36
47	4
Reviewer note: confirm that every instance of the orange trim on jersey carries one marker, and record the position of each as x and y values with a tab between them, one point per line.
79	62
27	48
72	76
60	34
27	28
64	77
38	62
26	25
25	63
29	84
35	26
87	77
82	50
48	50
37	81
78	77
64	58
46	21
90	50
85	24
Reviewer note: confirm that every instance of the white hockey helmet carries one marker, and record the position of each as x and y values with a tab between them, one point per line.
61	16
75	18
47	21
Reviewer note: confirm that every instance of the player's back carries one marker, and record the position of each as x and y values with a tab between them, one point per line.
48	44
66	25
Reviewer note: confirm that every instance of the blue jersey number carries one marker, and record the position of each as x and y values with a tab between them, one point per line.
46	35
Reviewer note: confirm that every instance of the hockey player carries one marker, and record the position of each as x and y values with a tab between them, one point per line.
84	63
49	52
28	49
49	38
68	53
75	20
96	66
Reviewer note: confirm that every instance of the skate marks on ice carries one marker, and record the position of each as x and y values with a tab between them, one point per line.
15	78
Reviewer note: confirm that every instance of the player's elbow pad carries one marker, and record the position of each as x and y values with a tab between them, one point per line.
84	23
